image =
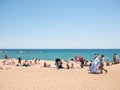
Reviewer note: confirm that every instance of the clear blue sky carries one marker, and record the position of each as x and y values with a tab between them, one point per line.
59	24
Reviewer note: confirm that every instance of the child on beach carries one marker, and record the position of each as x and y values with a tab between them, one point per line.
107	63
86	63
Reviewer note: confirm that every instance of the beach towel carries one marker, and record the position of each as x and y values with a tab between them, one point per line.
94	68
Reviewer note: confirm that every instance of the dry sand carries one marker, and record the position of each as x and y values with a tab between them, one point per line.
39	78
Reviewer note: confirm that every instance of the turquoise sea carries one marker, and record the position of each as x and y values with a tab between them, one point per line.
52	54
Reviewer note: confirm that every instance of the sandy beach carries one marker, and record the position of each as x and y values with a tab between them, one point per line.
59	45
38	78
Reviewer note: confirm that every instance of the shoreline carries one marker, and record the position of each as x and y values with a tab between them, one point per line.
52	54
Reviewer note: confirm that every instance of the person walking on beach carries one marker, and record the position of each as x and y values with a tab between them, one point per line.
102	64
19	60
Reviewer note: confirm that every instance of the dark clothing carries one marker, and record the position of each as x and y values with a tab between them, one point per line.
26	65
58	63
82	63
57	60
45	65
60	66
6	57
19	60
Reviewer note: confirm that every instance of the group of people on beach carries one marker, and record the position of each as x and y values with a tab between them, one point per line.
59	64
6	63
27	63
95	66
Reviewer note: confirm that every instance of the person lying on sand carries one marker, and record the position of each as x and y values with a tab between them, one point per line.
46	65
5	66
26	63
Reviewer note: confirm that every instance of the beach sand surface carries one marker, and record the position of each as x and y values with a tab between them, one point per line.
38	78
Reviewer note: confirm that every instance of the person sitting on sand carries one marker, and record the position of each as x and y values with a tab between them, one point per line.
58	63
67	65
107	63
46	65
72	65
86	63
10	62
77	58
31	63
37	61
115	59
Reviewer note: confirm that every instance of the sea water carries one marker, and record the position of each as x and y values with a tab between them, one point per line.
52	54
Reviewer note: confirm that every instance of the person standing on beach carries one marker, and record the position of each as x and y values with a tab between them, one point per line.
19	60
115	59
82	61
6	57
102	64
